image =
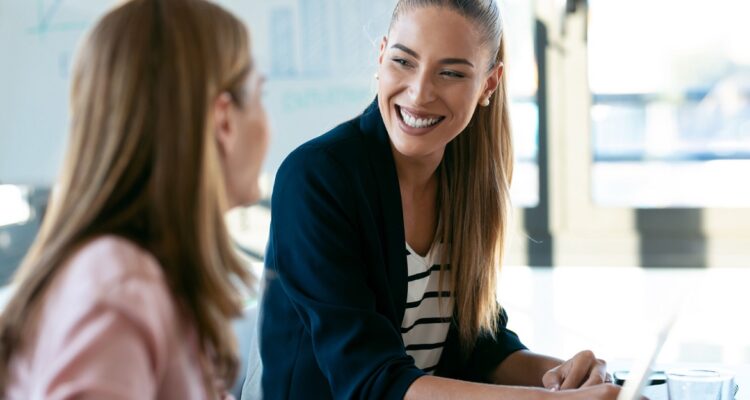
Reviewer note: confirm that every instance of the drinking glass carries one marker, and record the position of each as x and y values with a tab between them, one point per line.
694	384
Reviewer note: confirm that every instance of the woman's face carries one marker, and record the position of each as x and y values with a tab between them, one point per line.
433	72
244	136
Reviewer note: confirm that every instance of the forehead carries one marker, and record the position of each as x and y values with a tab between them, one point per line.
437	31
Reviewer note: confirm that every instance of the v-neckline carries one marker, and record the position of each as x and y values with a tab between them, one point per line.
426	259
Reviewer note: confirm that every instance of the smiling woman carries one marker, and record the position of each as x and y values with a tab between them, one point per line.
387	234
444	76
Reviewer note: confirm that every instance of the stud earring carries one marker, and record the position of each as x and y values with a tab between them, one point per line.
376	76
485	102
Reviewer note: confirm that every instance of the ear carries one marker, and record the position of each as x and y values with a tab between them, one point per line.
223	127
493	81
383	46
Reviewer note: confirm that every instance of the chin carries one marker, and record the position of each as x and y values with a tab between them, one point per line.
246	199
408	148
251	198
409	151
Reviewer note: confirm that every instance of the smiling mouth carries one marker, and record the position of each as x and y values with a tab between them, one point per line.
418	121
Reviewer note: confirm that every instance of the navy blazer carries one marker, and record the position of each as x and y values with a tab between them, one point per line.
336	277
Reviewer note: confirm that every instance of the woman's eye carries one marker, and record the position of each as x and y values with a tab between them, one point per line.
401	62
452	74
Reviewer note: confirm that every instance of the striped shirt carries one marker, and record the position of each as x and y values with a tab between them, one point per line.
429	308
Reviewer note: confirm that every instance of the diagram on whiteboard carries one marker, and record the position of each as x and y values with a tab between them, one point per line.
51	18
319	57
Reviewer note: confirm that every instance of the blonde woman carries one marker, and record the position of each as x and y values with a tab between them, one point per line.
129	289
387	232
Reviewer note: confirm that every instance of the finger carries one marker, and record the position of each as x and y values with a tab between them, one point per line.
574	378
552	379
598	374
595	378
578	371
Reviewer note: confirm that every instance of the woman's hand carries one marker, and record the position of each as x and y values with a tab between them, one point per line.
583	370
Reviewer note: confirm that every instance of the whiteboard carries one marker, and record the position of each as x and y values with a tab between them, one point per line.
319	57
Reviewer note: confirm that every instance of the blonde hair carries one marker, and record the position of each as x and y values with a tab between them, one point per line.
143	164
474	186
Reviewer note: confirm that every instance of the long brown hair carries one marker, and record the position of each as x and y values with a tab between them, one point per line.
143	164
474	184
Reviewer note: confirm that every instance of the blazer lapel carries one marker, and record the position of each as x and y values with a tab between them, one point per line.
384	169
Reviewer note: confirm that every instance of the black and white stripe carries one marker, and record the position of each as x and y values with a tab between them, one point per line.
429	308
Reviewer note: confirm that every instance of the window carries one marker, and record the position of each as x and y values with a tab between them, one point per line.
670	83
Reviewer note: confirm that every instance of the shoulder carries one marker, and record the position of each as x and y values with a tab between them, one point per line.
105	262
331	161
107	316
328	149
110	272
350	147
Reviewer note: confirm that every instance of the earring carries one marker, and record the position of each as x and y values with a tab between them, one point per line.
376	76
486	101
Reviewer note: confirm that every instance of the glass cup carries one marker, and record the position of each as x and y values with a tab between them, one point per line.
728	387
700	384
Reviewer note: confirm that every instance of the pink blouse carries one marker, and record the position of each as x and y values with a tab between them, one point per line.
108	329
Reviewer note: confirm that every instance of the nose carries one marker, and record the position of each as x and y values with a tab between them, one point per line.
421	88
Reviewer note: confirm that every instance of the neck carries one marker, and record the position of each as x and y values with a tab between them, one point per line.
416	175
418	184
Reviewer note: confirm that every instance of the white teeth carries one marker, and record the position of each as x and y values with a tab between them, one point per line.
417	122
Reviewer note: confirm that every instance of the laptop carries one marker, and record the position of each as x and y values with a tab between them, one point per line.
640	371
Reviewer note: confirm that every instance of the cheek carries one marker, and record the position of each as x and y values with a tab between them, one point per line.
264	134
463	101
256	143
247	161
389	80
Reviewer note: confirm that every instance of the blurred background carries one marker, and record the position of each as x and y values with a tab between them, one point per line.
632	137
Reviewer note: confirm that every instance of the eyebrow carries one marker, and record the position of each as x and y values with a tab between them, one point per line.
443	61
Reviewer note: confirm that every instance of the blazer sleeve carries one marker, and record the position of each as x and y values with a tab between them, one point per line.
491	350
319	261
488	352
